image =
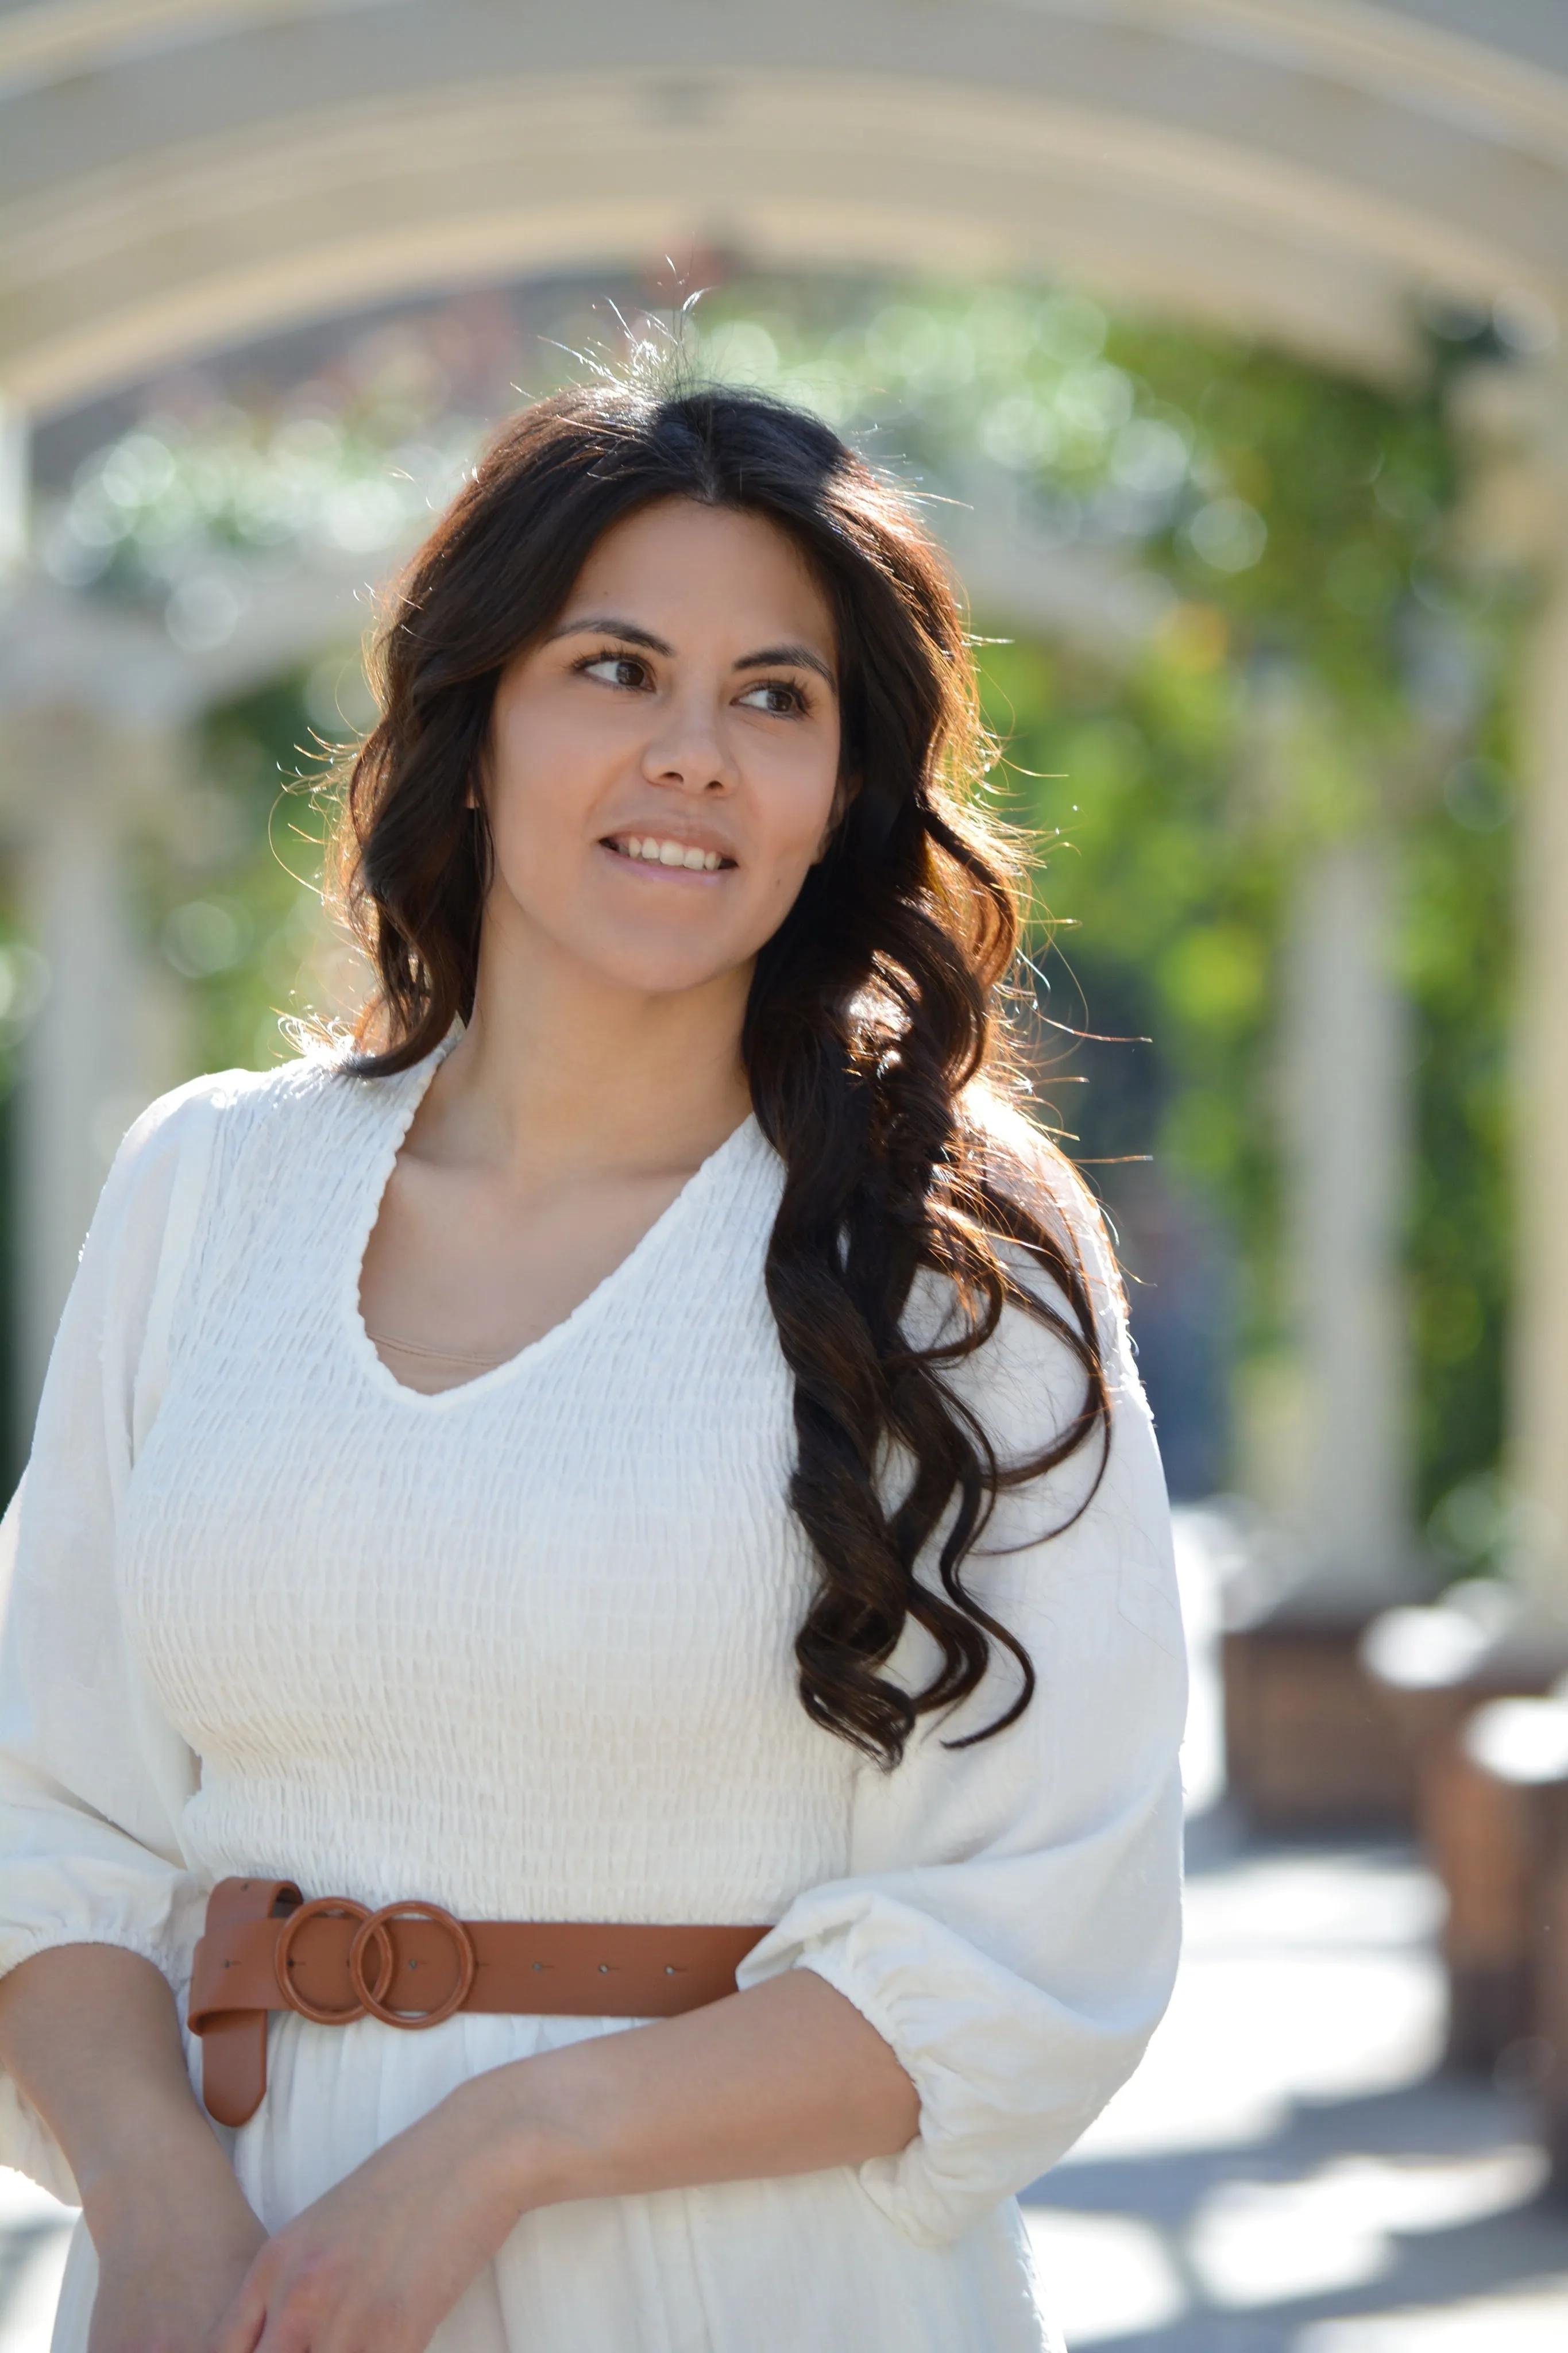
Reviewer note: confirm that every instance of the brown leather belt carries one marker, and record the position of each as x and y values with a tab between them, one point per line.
334	1960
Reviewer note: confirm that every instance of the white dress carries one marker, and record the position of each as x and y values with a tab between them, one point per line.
524	1648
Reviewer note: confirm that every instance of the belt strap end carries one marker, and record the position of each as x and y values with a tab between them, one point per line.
234	2041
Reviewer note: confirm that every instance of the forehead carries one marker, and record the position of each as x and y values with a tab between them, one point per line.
719	565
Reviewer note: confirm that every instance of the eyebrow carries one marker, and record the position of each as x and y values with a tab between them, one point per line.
608	625
796	657
605	625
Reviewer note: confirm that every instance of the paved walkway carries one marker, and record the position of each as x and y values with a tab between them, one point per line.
1287	2173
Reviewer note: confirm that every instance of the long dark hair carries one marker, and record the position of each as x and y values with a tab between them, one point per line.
871	1037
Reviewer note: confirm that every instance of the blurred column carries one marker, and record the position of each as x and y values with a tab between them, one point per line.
1346	1062
1515	524
1493	1819
104	1040
1539	1388
13	489
1306	1739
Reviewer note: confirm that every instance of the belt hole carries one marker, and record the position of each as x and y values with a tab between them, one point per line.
669	1968
604	1969
538	1966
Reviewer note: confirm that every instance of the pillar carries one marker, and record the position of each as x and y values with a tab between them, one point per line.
1306	1739
1346	1083
105	1040
1537	1413
13	490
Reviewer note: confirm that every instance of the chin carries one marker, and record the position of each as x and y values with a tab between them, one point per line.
655	971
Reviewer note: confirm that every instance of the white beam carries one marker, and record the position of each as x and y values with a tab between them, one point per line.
1302	169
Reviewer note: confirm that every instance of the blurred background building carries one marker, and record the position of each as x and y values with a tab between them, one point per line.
1224	340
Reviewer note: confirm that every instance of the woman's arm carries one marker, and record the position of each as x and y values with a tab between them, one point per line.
97	1911
785	2078
93	1779
88	2032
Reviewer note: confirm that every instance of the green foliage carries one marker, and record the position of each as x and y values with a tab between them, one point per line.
1320	668
1159	914
175	512
1304	660
1459	853
237	909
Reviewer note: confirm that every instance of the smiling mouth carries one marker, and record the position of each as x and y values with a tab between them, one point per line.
655	849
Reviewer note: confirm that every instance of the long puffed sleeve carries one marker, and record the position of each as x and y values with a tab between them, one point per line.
93	1779
1011	1920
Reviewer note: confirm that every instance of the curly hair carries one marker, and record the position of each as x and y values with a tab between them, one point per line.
873	1041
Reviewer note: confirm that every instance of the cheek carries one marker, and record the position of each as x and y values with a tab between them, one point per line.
540	784
797	810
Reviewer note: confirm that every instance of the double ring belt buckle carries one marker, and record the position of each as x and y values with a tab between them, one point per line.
371	1946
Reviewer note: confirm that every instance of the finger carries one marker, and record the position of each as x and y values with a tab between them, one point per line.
239	2330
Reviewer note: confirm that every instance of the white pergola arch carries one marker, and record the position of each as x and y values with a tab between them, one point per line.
180	175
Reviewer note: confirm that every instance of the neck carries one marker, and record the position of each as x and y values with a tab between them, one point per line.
560	1068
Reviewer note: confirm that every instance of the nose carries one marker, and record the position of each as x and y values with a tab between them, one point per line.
688	749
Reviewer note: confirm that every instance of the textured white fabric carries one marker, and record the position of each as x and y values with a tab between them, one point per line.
525	1647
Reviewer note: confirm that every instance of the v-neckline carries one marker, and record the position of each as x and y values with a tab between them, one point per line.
411	1087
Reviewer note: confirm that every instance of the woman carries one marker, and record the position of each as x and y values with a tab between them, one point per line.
647	1439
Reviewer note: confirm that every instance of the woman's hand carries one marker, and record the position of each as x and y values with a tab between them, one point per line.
172	2256
90	2033
377	2264
784	2078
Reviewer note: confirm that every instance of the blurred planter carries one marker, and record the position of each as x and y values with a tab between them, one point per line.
1496	1799
1552	2021
1307	1742
1463	1681
1494	1804
1431	1668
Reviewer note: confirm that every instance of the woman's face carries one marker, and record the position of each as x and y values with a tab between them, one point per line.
663	766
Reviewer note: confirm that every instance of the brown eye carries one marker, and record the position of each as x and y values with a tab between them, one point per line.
616	670
783	699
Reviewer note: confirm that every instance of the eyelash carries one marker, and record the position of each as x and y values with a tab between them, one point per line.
789	686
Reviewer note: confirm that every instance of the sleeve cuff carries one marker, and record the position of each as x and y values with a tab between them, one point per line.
1007	2077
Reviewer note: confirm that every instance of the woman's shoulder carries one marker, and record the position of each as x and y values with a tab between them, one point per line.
182	1134
223	1100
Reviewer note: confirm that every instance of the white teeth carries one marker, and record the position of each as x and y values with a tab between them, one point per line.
670	853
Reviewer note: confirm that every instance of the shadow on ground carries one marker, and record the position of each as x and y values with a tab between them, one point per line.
1291	2172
